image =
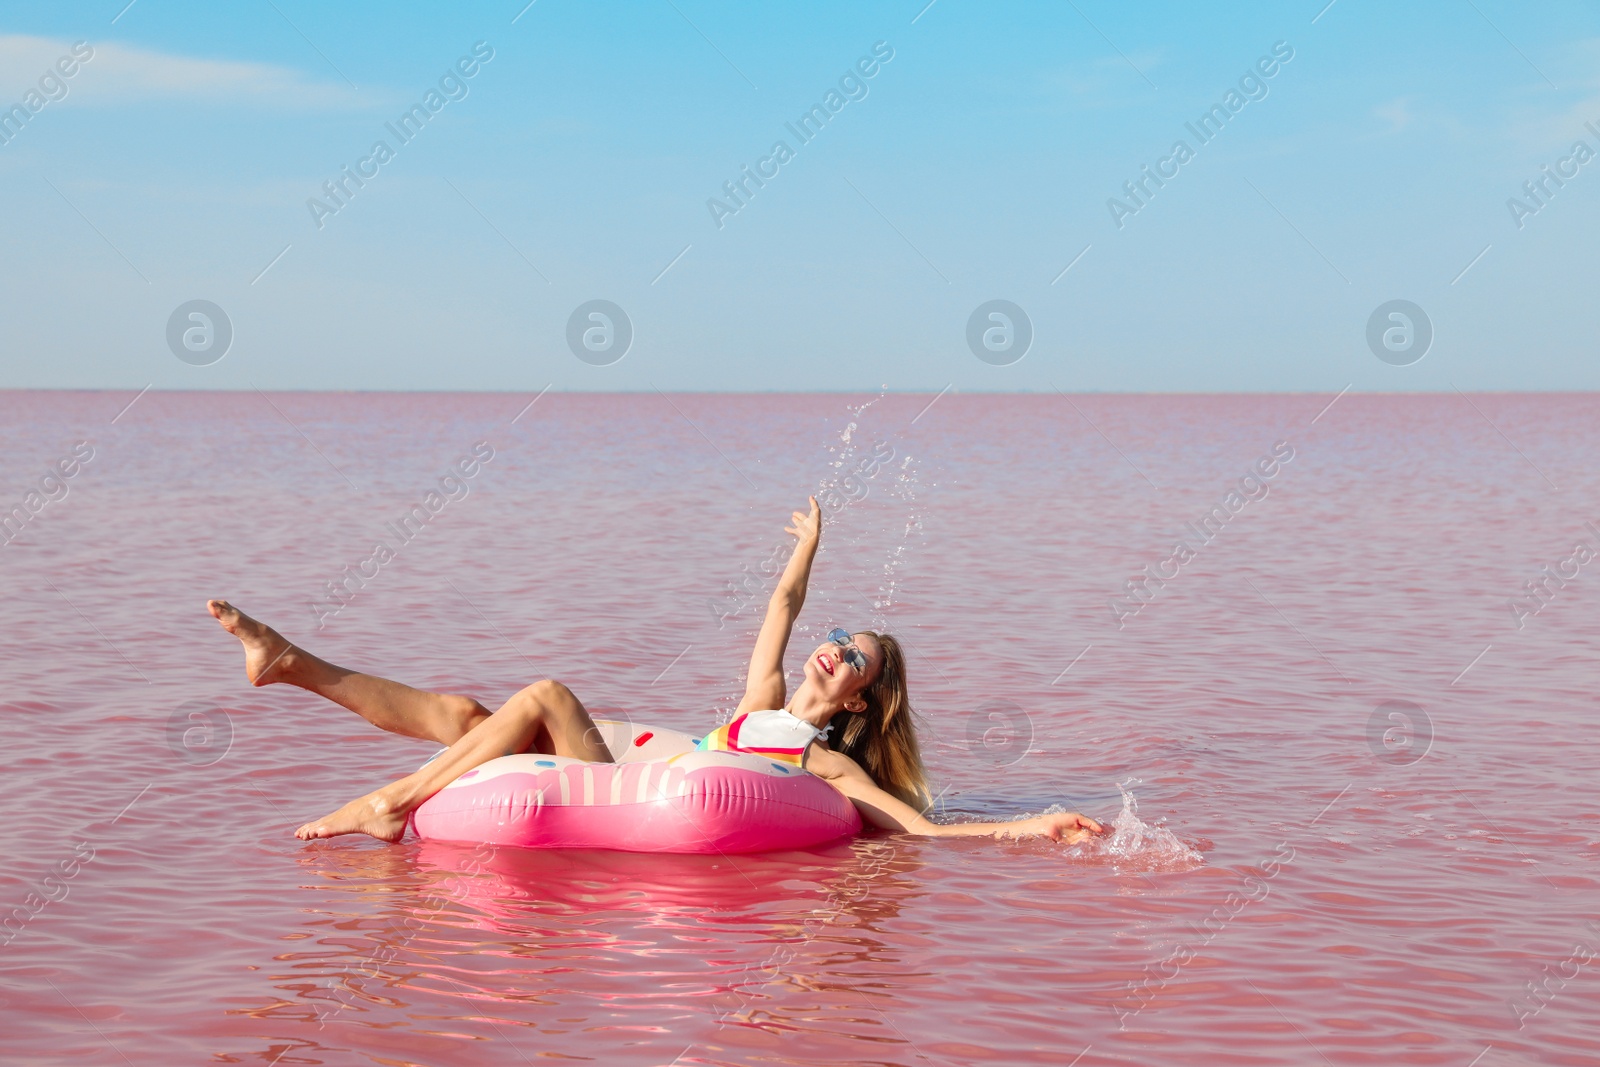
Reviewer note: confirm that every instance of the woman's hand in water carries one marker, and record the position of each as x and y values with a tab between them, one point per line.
1069	827
806	528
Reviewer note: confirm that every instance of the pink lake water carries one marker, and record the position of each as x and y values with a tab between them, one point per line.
1354	788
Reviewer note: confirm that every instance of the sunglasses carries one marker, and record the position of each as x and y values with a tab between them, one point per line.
852	655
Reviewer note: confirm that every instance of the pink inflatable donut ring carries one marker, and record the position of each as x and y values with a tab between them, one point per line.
661	795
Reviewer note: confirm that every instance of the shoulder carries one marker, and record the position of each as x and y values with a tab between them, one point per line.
824	762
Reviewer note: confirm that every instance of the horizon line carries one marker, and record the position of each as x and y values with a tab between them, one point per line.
809	392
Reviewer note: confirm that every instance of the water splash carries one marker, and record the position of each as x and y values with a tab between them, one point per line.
903	489
841	482
861	468
1135	845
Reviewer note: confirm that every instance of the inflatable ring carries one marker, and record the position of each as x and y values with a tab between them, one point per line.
661	795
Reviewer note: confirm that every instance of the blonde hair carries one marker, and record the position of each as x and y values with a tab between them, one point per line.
883	738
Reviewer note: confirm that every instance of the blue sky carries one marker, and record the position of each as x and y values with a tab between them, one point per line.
975	164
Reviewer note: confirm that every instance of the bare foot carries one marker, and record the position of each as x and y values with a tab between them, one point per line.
372	815
267	656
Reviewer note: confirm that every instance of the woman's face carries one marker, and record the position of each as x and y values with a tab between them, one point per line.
839	681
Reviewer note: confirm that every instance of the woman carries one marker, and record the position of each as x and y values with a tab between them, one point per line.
862	677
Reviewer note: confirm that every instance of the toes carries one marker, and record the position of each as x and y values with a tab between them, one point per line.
225	613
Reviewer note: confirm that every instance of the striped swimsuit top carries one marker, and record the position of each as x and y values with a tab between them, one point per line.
775	734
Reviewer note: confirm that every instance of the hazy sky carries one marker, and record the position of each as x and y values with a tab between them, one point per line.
977	162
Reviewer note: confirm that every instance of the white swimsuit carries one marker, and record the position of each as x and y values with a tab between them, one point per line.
776	734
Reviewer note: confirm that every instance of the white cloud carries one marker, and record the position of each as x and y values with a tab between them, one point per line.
1104	81
1397	112
1539	129
119	73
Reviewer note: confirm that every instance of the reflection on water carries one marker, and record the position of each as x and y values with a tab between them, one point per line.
1421	900
459	943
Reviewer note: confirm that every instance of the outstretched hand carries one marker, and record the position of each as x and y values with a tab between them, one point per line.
1064	826
806	527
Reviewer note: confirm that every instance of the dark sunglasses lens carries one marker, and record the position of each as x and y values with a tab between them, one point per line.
853	656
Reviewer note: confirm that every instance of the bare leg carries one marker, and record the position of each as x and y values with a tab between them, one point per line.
545	716
400	709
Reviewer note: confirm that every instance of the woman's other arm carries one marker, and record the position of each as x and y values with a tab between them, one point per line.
764	688
888	812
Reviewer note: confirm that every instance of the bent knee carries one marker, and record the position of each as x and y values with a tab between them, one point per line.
461	713
462	706
545	692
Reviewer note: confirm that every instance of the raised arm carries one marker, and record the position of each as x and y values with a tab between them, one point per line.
888	812
764	688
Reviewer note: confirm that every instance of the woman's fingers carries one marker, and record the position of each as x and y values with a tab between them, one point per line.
802	524
804	527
